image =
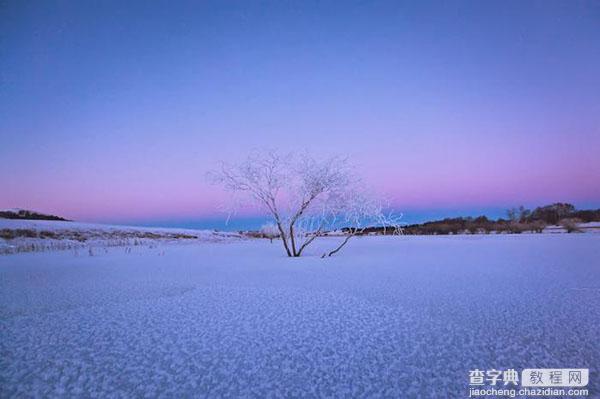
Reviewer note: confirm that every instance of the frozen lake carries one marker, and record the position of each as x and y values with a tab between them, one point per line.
389	316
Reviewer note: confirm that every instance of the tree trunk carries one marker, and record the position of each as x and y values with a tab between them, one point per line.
283	238
293	241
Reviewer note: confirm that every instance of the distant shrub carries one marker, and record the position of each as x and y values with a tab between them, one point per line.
472	228
77	236
147	234
178	236
488	228
571	225
26	233
48	234
515	227
537	226
9	234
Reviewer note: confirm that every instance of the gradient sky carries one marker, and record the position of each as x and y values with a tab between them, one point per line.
114	111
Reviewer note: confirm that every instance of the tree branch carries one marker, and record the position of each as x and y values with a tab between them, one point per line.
353	232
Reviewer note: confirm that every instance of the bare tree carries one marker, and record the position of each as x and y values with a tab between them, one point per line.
518	219
518	215
571	225
306	197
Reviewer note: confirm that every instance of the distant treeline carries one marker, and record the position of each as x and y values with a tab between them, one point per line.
30	215
518	220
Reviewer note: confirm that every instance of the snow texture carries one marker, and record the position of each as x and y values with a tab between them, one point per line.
389	317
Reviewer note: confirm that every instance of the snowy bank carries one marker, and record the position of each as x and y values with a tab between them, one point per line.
43	235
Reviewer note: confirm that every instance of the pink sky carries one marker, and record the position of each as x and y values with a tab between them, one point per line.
116	112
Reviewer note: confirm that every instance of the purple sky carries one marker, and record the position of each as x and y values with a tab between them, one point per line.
115	111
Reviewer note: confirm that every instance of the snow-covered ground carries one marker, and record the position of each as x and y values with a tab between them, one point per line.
389	317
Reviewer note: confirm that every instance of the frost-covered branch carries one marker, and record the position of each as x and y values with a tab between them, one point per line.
305	196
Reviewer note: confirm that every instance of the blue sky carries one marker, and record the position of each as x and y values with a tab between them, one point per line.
113	111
